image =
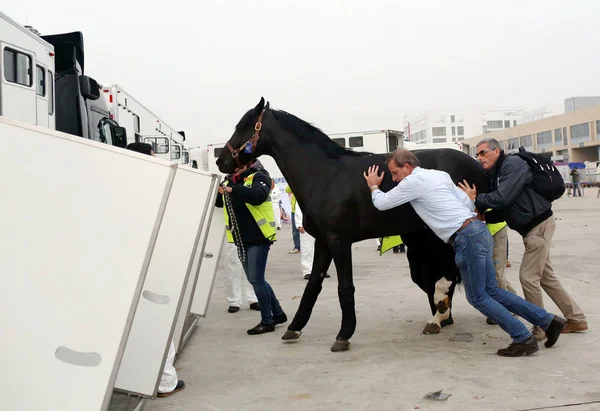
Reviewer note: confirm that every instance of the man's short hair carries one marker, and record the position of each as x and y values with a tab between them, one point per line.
402	156
491	142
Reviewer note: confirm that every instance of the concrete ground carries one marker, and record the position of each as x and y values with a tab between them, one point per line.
391	365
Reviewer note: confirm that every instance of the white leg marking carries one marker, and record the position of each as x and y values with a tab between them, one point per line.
442	286
438	318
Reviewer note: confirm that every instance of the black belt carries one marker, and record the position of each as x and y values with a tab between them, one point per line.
464	224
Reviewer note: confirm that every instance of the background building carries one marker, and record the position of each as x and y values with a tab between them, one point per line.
570	137
442	126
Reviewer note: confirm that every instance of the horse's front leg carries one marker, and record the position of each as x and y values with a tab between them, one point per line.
321	263
342	257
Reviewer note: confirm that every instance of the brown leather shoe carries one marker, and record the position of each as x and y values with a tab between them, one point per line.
574	327
527	347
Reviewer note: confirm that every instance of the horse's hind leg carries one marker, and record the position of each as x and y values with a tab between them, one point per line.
321	263
441	300
342	256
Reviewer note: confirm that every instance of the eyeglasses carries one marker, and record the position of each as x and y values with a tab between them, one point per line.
482	153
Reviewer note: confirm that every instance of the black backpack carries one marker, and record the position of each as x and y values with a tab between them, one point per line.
546	179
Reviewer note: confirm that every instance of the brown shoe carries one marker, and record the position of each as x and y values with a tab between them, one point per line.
508	264
527	347
538	333
574	327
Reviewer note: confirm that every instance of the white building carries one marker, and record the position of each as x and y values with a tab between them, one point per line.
445	126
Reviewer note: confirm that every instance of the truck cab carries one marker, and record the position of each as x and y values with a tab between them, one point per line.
79	109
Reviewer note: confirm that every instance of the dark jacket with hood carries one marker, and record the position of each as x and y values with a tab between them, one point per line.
512	196
255	195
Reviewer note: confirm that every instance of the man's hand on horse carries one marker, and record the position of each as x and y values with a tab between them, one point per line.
471	191
372	176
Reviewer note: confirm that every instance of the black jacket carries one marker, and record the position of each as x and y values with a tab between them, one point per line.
512	195
255	195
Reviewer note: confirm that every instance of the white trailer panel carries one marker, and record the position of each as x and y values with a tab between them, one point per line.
80	223
170	266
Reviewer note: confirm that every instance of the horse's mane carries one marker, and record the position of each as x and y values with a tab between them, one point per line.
304	130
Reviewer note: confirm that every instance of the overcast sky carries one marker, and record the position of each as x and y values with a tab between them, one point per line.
341	65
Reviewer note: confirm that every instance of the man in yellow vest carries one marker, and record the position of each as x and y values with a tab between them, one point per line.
295	232
250	224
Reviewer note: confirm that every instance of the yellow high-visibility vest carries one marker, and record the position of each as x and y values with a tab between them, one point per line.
263	215
387	243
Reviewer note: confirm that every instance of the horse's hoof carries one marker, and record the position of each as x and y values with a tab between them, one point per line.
431	329
446	322
340	345
443	305
291	335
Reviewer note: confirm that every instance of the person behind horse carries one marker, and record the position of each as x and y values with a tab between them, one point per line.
252	229
169	383
499	232
275	197
295	232
449	213
236	282
513	196
307	246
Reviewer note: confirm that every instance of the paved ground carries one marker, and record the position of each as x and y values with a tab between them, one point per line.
391	365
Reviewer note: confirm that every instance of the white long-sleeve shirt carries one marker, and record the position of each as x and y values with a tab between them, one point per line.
440	204
298	216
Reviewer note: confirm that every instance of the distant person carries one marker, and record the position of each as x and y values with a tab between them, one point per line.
169	384
295	232
275	200
575	179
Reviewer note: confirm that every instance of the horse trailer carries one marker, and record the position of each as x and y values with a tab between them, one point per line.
144	126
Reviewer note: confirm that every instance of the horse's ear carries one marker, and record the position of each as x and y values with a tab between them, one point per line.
268	105
259	107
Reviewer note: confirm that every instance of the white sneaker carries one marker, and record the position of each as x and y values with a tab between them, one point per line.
294	251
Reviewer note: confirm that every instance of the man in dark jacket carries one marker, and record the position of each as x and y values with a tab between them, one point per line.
513	199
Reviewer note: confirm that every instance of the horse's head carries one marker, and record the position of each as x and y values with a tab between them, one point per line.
245	144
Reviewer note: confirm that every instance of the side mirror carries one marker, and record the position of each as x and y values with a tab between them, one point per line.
89	88
120	136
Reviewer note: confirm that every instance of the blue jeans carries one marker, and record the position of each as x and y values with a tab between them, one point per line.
473	246
254	267
295	233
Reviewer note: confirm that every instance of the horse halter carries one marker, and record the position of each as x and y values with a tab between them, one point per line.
252	140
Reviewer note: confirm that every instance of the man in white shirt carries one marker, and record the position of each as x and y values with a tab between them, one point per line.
449	213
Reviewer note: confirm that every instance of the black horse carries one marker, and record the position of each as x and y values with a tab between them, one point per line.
328	183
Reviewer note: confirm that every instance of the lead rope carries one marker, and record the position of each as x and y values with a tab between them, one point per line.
235	228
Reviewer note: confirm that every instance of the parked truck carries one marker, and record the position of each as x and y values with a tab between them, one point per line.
43	83
143	125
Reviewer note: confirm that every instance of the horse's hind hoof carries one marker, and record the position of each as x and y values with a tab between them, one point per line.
291	335
340	345
431	329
